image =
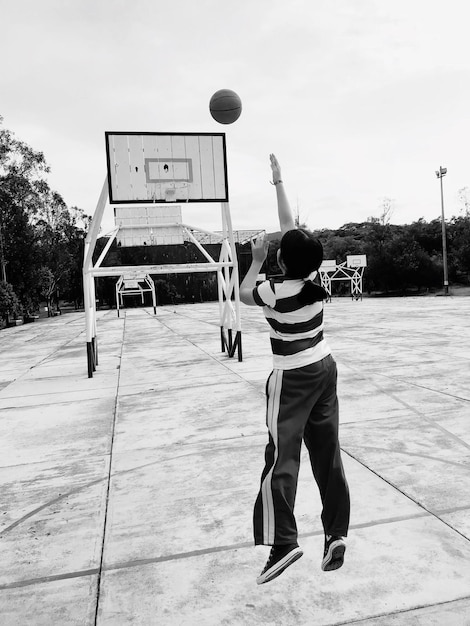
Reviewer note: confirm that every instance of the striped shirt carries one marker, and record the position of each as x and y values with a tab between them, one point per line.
296	330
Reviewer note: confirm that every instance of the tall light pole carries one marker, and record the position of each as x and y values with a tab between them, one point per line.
440	174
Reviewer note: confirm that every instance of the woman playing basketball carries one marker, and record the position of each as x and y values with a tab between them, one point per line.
302	402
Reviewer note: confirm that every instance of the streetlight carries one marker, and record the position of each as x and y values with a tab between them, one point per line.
440	174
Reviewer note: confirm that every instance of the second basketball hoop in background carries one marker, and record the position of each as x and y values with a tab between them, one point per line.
225	106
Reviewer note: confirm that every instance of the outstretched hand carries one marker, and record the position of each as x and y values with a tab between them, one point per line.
276	168
259	248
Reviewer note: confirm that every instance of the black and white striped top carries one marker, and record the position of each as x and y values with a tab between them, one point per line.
296	330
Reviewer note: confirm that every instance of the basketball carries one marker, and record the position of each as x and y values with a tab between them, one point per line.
225	106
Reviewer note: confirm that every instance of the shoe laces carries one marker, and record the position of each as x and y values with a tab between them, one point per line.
271	555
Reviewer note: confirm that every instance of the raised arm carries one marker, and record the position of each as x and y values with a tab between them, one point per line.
286	217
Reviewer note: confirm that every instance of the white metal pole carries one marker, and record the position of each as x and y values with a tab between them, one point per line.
154	298
444	239
236	278
93	303
88	279
220	278
111	238
117	297
94	339
95	225
226	268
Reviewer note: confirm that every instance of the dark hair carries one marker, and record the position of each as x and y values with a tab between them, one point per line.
302	254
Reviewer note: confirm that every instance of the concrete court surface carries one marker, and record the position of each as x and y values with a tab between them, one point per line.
127	498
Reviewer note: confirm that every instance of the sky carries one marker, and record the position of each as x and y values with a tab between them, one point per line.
360	100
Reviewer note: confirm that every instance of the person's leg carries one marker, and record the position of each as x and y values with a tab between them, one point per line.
273	518
321	440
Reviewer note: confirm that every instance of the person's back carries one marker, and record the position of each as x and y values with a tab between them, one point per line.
302	401
293	304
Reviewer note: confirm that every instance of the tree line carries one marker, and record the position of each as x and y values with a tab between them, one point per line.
400	258
41	238
42	244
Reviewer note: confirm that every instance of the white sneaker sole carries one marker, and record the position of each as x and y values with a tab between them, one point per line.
280	566
334	558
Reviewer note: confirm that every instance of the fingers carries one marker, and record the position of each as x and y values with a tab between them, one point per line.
260	246
276	168
259	241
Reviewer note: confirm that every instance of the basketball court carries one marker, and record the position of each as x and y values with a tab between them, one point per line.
127	497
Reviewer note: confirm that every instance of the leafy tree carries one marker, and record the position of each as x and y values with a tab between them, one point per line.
9	304
459	247
21	176
165	291
428	235
60	233
47	287
339	247
412	266
37	229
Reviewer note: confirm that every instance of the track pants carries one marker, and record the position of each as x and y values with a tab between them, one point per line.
301	404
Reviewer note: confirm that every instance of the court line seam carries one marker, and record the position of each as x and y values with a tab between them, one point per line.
183	454
24	372
395	379
436	515
126	388
96	481
463	465
420	607
109	477
191	554
198	347
409	407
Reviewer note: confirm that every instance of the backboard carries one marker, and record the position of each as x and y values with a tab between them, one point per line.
131	284
356	260
148	225
131	280
162	167
328	265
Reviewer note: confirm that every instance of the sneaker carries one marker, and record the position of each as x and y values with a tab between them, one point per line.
280	558
333	556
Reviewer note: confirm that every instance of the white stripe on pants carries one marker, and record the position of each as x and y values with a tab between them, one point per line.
274	395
